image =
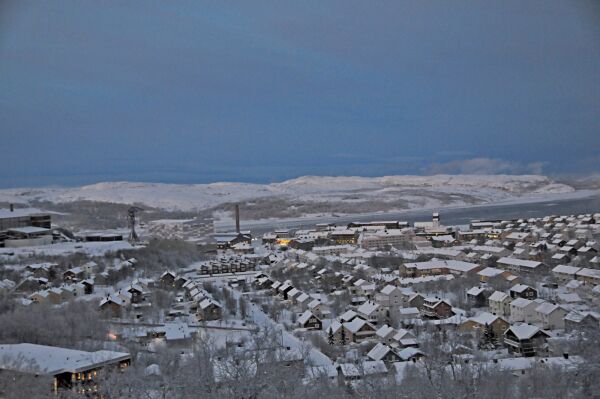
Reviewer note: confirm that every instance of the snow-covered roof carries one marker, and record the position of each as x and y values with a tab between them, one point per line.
388	289
520	303
455	265
530	264
314	303
374	367
524	331
51	360
566	269
594	273
379	351
408	353
368	308
498	296
484	318
519	288
348	315
490	272
385	331
304	317
408	311
356	324
29	230
548	308
302	297
475	291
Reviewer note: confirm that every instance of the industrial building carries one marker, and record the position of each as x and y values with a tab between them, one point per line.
24	227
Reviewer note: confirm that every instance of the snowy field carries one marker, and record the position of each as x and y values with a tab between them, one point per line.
66	248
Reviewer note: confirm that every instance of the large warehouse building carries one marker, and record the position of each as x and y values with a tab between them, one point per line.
24	227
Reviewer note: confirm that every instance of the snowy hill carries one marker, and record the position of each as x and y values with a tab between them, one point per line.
413	191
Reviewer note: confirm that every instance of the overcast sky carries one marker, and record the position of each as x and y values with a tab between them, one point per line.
262	91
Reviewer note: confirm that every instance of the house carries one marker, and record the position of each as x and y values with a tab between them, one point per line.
489	273
407	315
436	308
167	279
416	300
386	333
477	297
209	309
522	309
344	236
565	273
371	312
335	331
303	299
521	265
550	316
284	289
582	321
390	296
410	353
39	297
478	324
523	291
525	340
293	293
589	276
74	274
137	293
349	372
112	306
358	330
348	315
32	284
404	339
309	321
499	303
384	353
6	286
88	286
318	308
66	369
55	295
437	267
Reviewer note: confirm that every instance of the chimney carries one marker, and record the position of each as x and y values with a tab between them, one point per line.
12	207
237	218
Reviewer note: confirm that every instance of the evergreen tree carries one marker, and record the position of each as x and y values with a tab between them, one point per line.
330	336
488	339
342	335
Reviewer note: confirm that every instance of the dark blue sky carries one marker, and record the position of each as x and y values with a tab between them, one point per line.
267	90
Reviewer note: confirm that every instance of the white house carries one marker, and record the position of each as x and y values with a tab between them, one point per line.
499	303
390	296
522	309
550	316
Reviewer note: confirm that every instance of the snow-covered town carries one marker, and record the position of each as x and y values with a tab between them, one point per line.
300	199
363	309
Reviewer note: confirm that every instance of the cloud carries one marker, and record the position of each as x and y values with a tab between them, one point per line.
484	166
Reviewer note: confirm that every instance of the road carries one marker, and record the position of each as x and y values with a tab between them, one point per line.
259	318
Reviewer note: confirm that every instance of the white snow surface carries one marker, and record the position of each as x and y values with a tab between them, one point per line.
189	197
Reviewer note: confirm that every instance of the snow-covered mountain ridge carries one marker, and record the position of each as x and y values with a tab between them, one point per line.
415	191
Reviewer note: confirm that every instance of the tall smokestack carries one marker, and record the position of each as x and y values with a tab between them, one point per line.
12	207
237	218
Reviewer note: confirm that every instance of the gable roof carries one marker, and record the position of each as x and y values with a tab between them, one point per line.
524	331
498	296
304	317
379	351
